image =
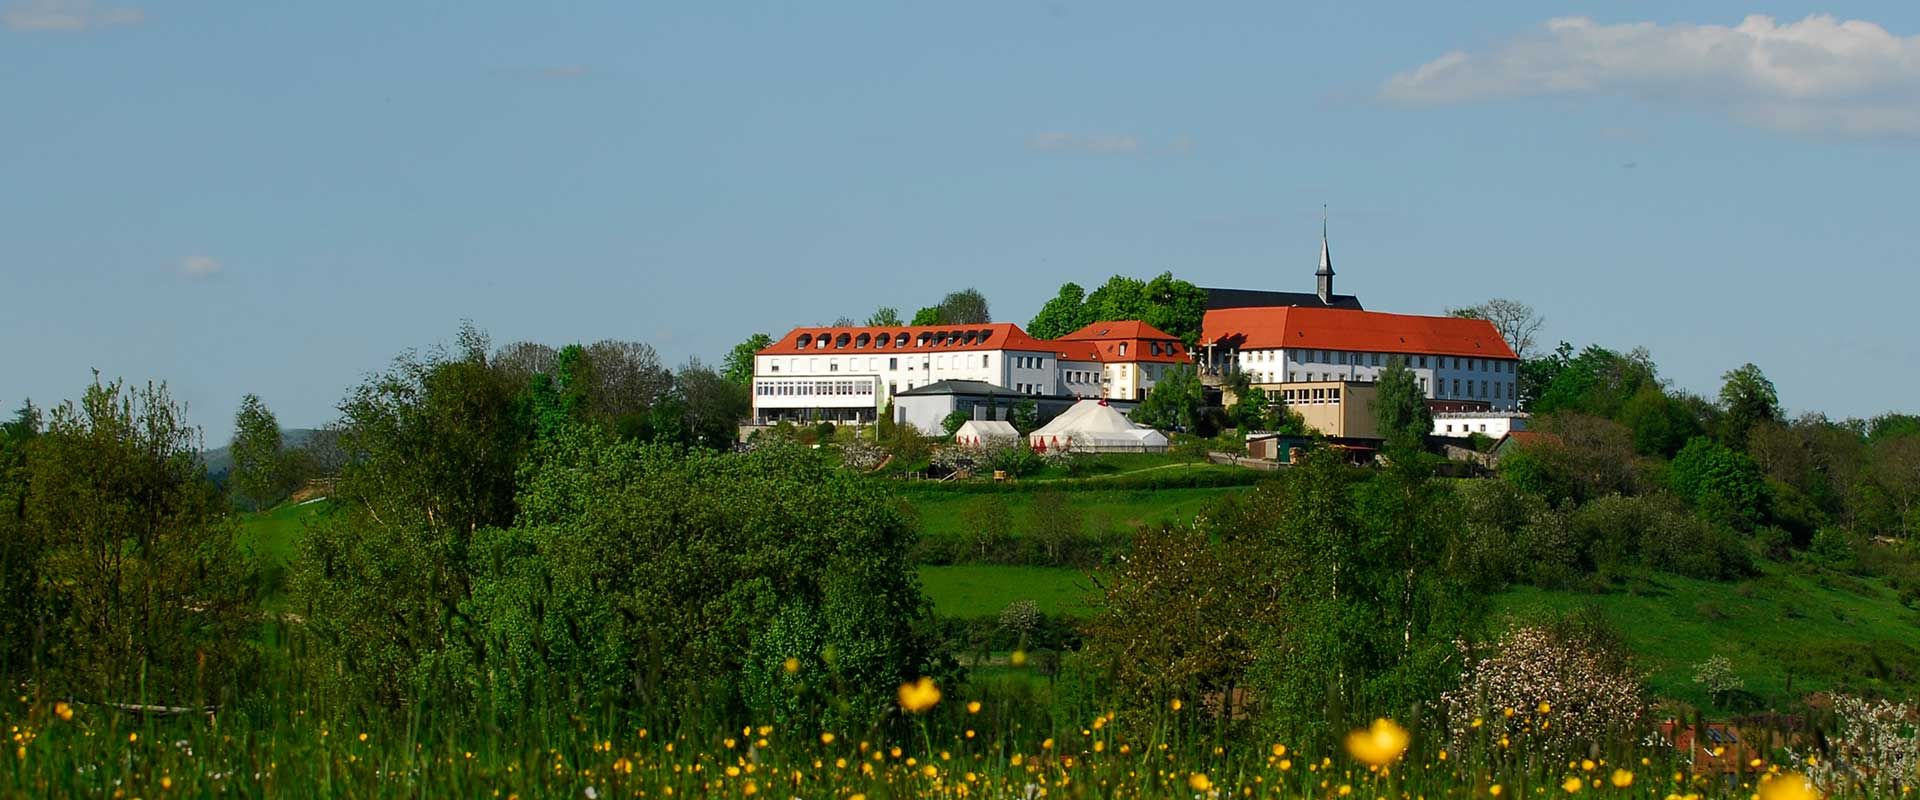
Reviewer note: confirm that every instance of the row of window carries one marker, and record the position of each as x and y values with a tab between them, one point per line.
1345	358
1081	376
1498	391
1465	428
960	338
872	364
811	388
1027	362
1325	394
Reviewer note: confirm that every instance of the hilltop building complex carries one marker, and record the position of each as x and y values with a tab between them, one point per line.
1320	352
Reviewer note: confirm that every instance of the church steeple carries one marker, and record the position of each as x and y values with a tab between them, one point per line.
1325	275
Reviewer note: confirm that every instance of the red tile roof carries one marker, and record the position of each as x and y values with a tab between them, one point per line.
1118	329
1529	438
921	339
1348	329
1143	342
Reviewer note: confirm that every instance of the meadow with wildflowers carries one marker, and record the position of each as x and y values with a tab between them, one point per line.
515	592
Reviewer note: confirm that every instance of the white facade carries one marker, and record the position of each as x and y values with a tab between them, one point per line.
1492	424
850	386
1494	381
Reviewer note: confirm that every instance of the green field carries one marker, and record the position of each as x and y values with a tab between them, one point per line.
272	537
943	513
963	592
1785	633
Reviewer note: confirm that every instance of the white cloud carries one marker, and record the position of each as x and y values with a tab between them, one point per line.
199	266
1818	75
65	15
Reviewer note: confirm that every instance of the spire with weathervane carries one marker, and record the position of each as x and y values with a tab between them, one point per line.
1325	275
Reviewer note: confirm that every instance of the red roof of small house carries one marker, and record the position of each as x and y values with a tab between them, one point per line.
1353	330
1526	438
1144	342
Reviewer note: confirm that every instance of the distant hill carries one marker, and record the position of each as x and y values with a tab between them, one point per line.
219	460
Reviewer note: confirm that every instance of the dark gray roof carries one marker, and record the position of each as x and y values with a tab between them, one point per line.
980	388
1255	298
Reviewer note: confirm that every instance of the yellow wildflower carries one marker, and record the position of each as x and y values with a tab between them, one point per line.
919	696
1622	779
63	710
1572	785
1199	782
1789	786
1380	744
791	665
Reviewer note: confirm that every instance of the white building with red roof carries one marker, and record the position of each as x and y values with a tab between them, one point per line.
850	374
1453	358
1310	349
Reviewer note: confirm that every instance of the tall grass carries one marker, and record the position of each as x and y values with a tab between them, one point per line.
1009	732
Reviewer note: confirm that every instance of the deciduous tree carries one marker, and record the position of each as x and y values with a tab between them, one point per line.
1064	314
1400	408
738	365
1174	401
1749	399
1517	322
259	476
146	599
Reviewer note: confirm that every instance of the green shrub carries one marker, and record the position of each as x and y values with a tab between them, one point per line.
1724	485
688	578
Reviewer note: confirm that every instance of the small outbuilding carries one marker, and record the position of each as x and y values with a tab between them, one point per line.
986	433
1093	426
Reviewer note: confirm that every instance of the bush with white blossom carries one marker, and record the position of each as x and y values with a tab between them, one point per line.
1559	686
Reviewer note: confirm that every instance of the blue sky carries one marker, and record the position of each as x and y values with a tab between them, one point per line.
278	198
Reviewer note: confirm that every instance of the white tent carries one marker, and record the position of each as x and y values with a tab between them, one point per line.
1092	426
985	432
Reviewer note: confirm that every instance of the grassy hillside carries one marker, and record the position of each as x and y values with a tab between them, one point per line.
971	591
272	538
1785	632
1103	511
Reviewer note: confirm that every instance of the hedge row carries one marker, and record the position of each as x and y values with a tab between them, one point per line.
1198	477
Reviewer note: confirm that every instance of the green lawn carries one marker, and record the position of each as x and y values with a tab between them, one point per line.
972	591
943	513
1785	633
273	536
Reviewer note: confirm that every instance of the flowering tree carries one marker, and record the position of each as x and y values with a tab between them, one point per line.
1554	685
1874	746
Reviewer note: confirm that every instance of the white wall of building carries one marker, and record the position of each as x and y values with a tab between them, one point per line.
1493	424
822	380
1441	377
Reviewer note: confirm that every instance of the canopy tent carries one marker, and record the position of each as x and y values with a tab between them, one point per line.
1092	426
985	432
